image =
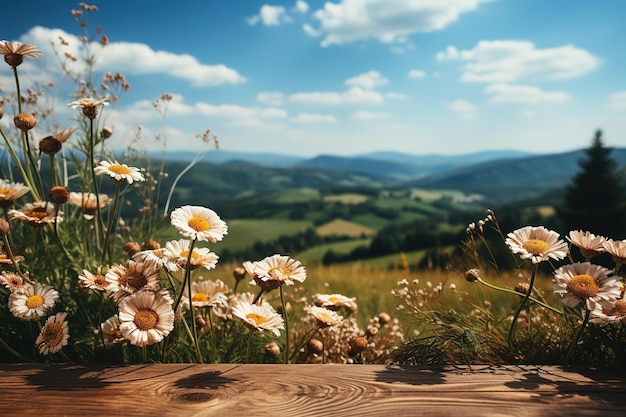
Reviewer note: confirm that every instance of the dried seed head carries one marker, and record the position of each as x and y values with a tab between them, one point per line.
4	227
315	346
472	275
239	273
131	248
59	194
106	133
90	112
151	245
272	350
357	344
49	145
24	121
384	318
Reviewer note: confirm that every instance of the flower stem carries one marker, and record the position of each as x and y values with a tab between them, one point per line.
285	319
112	217
572	348
519	294
249	347
521	306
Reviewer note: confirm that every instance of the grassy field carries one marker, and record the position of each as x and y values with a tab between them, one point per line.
340	227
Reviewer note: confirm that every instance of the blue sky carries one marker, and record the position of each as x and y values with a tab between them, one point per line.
347	77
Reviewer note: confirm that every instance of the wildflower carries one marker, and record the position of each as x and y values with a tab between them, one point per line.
89	106
119	172
278	269
177	252
13	282
54	334
146	318
5	227
33	302
157	258
59	194
332	301
24	121
96	281
324	317
129	279
111	333
87	202
14	52
6	259
589	244
472	275
257	317
588	283
199	223
37	214
207	294
537	244
615	315
11	191
617	250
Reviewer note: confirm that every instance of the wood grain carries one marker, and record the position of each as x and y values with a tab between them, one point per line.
308	390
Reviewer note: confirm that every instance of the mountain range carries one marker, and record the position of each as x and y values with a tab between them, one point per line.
507	175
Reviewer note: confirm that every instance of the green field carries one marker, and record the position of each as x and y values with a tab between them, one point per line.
242	233
340	227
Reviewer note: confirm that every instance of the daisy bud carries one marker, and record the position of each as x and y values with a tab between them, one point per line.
131	248
472	275
272	350
49	145
24	121
357	344
151	245
315	346
59	194
1	112
384	318
239	273
106	133
4	228
288	308
522	287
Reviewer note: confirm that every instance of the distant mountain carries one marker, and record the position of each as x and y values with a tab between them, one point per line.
440	160
219	156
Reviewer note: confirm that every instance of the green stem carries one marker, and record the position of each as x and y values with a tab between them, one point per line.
19	165
213	348
519	294
521	306
285	319
574	344
249	346
111	222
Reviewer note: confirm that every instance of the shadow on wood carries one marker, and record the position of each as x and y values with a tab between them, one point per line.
308	390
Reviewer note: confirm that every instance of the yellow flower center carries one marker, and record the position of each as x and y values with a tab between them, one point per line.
5	191
257	318
52	334
535	246
199	224
200	297
116	333
119	169
333	299
185	254
583	286
34	301
146	319
279	272
100	281
37	213
620	308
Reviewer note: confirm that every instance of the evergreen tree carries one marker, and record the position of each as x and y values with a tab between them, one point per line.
595	200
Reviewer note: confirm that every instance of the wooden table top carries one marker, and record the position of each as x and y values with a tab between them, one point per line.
309	390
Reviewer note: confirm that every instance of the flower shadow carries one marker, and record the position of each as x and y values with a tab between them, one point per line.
413	375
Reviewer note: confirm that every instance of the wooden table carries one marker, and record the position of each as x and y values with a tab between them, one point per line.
309	390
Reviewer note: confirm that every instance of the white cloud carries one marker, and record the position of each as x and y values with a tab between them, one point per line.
504	61
464	108
301	7
368	115
396	96
233	111
314	118
353	95
387	21
526	94
311	31
416	74
617	101
273	98
270	16
135	58
368	80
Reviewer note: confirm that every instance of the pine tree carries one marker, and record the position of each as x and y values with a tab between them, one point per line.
595	200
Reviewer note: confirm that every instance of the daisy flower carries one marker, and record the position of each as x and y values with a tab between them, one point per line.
135	276
36	214
111	333
199	223
89	106
54	334
14	52
617	250
88	202
589	244
6	259
177	252
207	294
333	301
13	282
11	191
146	318
259	317
226	312
616	315
157	258
586	282
32	302
323	316
279	269
96	282
537	244
119	172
